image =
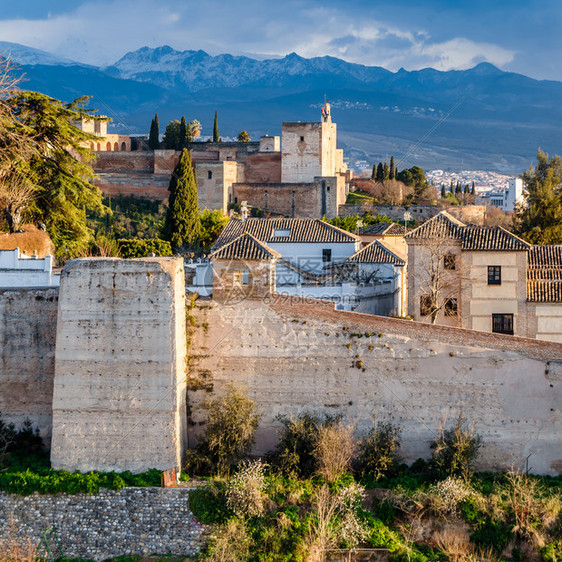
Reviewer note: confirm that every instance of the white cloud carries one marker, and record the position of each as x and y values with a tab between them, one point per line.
102	32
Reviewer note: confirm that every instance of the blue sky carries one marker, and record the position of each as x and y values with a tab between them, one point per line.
517	35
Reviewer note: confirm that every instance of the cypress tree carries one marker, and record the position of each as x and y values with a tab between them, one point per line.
386	171
380	172
473	192
374	172
154	135
183	224
216	129
452	187
392	171
183	140
466	190
442	190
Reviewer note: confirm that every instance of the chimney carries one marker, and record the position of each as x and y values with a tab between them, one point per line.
244	210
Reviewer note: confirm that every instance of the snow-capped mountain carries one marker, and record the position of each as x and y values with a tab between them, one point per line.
21	54
196	70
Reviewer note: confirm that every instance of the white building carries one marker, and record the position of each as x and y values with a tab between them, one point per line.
507	199
317	260
18	270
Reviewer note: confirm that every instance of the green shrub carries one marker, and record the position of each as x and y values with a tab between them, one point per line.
295	452
232	419
208	505
135	248
552	552
378	451
455	451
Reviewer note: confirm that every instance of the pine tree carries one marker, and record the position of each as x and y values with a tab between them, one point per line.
154	135
380	172
391	173
386	171
183	224
216	129
539	220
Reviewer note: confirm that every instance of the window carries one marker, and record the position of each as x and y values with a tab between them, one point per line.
502	323
494	275
449	261
302	139
210	175
425	305
241	277
451	308
282	232
326	255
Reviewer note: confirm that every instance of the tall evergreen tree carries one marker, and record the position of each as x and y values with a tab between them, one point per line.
184	134
216	129
442	190
374	172
154	135
466	190
380	172
392	172
452	187
539	220
183	224
386	171
473	191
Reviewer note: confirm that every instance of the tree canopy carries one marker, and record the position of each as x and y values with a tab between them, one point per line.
46	158
243	136
183	224
539	218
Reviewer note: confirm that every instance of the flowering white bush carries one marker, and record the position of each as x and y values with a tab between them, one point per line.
244	493
451	492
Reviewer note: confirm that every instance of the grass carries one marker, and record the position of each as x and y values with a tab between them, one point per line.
359	197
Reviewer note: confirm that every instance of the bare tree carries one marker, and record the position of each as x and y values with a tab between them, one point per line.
16	193
440	285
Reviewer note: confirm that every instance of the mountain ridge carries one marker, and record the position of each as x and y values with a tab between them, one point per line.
479	118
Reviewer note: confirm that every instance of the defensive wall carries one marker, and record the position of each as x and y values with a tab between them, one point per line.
28	321
298	356
118	388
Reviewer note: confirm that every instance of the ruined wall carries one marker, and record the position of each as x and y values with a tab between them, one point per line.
119	390
28	319
153	186
139	162
296	356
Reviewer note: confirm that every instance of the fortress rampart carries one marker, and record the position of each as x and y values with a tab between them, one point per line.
116	398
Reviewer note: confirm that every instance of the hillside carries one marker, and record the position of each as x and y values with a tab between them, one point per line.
481	118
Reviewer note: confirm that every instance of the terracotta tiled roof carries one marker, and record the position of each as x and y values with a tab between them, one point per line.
375	252
384	229
442	225
285	230
471	237
544	274
491	238
245	247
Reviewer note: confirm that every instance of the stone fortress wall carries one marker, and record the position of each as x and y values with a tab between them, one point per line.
119	397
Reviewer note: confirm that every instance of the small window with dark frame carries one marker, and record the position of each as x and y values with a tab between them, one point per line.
210	175
451	307
449	261
326	255
502	324
425	305
494	275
